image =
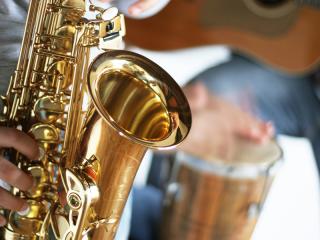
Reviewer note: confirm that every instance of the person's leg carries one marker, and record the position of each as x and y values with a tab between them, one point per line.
289	102
146	213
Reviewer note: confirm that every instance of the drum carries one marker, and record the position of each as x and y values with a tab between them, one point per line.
219	199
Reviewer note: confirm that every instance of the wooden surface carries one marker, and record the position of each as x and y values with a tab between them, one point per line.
211	207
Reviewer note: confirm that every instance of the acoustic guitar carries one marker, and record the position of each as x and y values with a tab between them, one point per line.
281	33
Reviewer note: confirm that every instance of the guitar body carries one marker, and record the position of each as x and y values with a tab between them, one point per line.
286	36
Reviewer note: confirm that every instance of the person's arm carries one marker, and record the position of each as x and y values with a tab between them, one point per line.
9	173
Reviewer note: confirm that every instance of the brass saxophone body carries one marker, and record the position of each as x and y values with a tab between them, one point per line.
93	118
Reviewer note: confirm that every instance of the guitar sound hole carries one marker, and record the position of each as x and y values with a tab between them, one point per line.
271	8
272	3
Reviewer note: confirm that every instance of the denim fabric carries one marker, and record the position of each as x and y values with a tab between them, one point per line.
146	213
12	20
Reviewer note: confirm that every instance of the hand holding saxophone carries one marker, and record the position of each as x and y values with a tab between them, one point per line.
9	173
217	123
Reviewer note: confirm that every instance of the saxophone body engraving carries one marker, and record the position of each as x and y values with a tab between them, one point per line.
93	119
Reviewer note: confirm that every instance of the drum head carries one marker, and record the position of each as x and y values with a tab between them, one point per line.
247	152
247	160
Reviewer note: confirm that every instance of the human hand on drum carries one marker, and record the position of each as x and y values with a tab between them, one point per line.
10	174
217	123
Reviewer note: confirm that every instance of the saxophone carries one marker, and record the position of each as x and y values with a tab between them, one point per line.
93	116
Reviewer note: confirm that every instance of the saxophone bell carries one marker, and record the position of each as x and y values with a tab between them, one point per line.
136	105
93	120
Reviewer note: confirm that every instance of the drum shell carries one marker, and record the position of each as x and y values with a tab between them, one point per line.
203	204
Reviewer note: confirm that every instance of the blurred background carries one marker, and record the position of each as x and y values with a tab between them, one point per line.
249	169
